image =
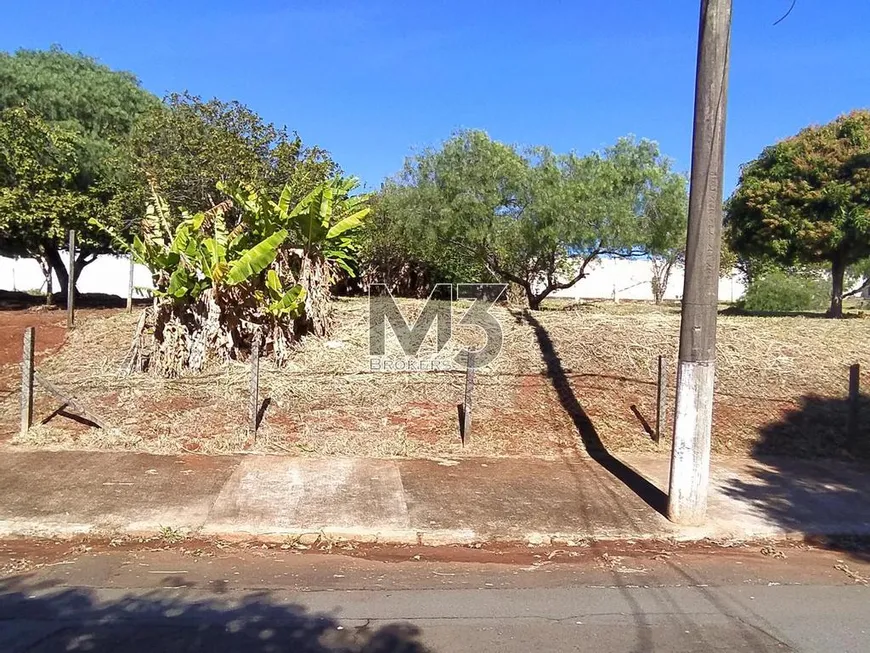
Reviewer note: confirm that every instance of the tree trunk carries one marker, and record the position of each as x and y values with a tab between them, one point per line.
55	262
661	274
83	259
533	300
49	280
838	271
657	289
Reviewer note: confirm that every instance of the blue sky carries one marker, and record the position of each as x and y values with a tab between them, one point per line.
372	80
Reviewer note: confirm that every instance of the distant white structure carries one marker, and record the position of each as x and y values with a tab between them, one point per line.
608	279
619	278
108	274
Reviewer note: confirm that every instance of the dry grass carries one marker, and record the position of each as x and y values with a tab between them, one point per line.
328	401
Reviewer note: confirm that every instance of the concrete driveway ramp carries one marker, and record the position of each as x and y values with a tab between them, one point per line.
277	494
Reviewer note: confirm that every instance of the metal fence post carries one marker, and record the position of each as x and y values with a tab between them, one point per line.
661	398
71	283
255	383
469	391
26	400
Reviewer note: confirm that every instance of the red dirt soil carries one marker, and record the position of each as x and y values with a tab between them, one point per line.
50	334
50	325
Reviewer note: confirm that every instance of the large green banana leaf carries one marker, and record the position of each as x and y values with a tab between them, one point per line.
180	283
256	259
291	302
350	222
273	283
116	238
284	201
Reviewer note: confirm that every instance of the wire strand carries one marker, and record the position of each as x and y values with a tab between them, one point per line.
793	3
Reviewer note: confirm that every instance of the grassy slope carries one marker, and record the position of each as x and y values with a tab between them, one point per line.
780	388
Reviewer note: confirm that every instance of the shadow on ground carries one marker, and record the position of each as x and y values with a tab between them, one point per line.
17	300
849	312
822	486
41	617
589	437
818	427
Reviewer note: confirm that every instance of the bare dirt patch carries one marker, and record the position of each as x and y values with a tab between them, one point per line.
50	335
781	385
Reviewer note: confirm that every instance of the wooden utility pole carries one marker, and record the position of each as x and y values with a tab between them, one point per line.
690	459
71	282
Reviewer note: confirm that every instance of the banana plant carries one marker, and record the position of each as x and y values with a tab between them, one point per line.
323	221
326	218
190	260
283	302
201	252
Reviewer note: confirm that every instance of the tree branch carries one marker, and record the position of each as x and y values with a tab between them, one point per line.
858	290
491	264
581	274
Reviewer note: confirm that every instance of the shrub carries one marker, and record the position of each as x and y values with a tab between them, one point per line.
248	271
778	291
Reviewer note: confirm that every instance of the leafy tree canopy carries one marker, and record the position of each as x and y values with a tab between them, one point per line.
38	179
663	225
806	200
532	217
66	119
187	146
75	89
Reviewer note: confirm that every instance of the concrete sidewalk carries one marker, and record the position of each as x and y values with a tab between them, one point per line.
48	493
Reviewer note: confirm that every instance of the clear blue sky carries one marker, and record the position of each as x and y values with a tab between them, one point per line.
371	80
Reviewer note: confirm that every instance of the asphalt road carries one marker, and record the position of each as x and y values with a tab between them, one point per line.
198	597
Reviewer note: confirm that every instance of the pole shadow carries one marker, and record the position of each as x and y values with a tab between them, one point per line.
592	443
643	422
262	412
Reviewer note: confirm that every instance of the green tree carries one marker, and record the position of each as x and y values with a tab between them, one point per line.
806	201
37	181
532	218
665	218
85	111
186	147
391	253
782	291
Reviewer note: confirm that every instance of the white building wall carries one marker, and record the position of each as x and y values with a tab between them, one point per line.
108	274
632	279
622	278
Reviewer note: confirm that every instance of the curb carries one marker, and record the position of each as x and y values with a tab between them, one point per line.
13	529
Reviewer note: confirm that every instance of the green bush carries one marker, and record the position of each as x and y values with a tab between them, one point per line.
779	291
